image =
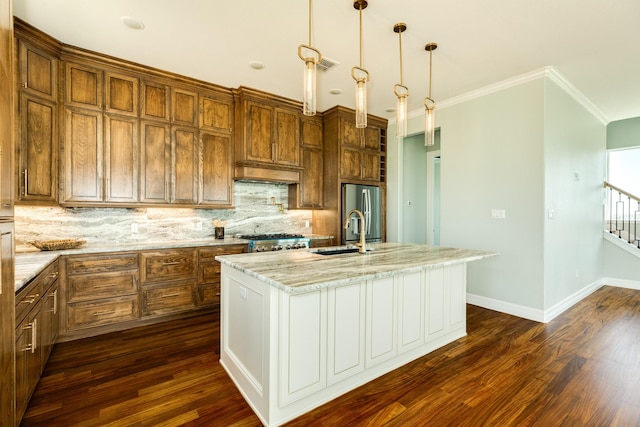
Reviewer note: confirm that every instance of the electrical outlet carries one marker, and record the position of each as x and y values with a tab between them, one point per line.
199	225
243	292
306	224
134	228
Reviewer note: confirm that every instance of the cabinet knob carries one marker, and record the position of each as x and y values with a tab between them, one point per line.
25	85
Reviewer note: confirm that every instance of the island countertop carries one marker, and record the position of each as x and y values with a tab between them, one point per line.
304	270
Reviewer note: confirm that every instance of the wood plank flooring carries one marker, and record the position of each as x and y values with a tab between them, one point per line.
581	369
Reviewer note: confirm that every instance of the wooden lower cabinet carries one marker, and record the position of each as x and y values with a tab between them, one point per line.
36	331
170	298
107	292
208	289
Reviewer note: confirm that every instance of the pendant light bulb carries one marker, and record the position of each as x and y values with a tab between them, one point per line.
361	76
430	104
309	89
311	58
401	91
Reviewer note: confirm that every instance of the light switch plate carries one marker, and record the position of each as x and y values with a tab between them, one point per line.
498	214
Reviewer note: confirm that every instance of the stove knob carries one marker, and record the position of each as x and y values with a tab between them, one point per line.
274	248
289	247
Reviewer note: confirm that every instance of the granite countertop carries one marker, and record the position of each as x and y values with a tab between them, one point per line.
303	270
30	261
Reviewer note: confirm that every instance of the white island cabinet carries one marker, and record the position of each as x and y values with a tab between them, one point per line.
299	329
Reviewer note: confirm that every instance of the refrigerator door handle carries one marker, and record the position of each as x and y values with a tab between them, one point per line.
367	212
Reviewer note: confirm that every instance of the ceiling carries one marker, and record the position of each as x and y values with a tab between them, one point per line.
594	44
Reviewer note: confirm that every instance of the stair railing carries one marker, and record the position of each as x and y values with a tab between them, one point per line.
622	214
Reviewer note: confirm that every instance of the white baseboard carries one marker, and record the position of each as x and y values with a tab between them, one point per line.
621	283
545	316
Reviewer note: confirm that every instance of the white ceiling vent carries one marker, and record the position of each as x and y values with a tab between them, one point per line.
326	64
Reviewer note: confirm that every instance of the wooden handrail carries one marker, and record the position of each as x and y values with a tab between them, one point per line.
621	191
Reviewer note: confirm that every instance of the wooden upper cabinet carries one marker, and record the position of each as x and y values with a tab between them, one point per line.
308	194
37	129
287	137
155	162
184	107
155	101
121	94
216	178
267	136
259	143
37	150
38	71
83	86
121	154
184	161
83	177
216	113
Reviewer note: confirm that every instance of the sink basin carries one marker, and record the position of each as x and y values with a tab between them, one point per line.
337	250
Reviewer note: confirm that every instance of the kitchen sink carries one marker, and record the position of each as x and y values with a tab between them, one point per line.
336	250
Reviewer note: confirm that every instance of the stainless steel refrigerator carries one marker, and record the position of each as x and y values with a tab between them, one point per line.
368	200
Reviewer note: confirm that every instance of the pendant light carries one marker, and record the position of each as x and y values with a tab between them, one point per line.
401	91
430	104
361	76
311	58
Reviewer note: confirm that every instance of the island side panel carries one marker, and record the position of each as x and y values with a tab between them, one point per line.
245	339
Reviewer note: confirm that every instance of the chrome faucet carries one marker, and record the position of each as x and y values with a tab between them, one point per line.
363	227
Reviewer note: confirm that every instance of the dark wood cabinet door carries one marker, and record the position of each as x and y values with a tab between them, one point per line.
259	132
121	94
351	135
311	179
184	107
155	161
154	101
216	114
286	137
216	179
83	86
184	160
121	159
83	156
350	163
311	133
372	138
38	71
37	150
370	166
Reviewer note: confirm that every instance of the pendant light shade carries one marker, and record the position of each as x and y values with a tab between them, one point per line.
361	76
430	104
311	58
401	91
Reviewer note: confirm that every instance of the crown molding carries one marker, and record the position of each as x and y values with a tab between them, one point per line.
549	72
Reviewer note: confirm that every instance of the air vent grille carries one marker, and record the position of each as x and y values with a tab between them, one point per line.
326	64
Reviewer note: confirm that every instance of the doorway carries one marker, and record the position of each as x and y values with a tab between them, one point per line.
433	198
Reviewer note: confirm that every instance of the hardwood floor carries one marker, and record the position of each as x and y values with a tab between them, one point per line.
581	369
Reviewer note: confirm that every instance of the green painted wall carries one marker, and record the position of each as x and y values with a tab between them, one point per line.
623	133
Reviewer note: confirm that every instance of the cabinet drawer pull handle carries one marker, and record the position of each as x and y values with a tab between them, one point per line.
172	263
34	331
106	285
54	295
53	275
31	300
26	182
169	295
102	313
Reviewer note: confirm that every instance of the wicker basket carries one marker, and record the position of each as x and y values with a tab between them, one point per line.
58	245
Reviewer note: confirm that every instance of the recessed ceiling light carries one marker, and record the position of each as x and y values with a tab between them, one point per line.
132	22
335	91
256	65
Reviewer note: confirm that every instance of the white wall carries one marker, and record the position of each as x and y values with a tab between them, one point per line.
574	168
491	158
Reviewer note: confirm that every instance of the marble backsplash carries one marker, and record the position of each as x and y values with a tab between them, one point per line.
254	213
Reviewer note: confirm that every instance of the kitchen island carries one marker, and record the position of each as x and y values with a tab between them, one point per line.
299	328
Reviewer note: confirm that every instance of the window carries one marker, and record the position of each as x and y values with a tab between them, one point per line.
623	170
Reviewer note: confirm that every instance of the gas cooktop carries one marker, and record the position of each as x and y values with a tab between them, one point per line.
270	236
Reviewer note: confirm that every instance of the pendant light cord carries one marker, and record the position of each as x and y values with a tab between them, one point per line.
360	12
310	20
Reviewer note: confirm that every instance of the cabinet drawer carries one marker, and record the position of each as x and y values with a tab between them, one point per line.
164	266
209	273
209	254
49	275
102	312
168	299
27	298
103	285
209	294
100	263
